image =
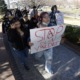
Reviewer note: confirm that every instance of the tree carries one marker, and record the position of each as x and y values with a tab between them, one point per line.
37	3
77	3
3	6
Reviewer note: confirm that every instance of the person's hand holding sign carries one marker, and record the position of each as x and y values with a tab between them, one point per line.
30	44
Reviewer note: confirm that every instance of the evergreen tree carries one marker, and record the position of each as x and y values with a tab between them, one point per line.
3	6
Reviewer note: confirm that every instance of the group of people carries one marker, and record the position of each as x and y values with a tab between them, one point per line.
17	27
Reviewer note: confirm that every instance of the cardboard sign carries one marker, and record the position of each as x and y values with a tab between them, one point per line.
45	38
59	18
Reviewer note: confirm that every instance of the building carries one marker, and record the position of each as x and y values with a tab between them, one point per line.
11	4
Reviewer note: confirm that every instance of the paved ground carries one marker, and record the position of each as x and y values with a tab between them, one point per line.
66	65
5	70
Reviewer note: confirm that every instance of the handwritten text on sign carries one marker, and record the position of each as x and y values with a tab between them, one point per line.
45	38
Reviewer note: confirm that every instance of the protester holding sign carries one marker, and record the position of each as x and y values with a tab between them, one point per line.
44	21
56	17
59	16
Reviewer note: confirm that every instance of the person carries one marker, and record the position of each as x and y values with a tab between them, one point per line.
6	22
25	11
52	17
19	39
44	21
59	16
13	12
33	11
18	13
25	22
34	20
56	17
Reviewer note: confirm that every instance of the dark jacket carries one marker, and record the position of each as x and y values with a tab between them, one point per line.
18	14
5	25
18	42
52	19
33	23
25	25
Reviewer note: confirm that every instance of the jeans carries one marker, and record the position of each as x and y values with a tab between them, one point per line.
48	54
22	55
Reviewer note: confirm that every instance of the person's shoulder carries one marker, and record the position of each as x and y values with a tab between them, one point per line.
50	13
57	11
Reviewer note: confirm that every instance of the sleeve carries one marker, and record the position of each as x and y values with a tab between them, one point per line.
27	40
11	36
3	27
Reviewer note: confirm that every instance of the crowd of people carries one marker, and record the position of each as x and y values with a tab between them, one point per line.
17	27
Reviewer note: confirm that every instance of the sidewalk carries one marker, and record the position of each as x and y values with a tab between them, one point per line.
5	70
66	65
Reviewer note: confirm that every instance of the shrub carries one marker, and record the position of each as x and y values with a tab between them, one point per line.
3	6
73	34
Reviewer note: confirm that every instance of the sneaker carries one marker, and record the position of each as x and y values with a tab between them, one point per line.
48	70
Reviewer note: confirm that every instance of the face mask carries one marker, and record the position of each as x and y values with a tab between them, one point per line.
45	24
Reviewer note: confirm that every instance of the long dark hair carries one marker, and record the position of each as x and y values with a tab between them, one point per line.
54	7
14	20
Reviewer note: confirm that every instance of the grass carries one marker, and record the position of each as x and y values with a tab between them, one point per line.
1	16
71	11
72	21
